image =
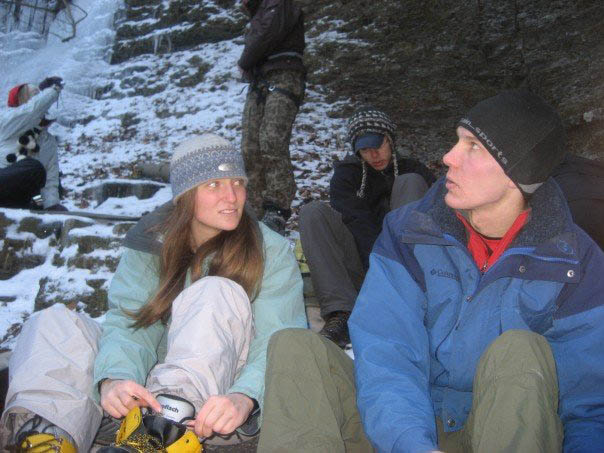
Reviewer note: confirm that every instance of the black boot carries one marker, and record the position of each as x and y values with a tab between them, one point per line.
275	218
336	328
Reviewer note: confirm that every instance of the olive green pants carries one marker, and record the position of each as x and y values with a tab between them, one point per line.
310	398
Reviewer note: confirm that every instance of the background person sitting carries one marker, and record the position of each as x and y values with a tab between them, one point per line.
337	237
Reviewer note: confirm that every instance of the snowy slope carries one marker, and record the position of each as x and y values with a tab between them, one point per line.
101	140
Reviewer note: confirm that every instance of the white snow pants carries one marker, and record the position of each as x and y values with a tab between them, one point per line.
51	368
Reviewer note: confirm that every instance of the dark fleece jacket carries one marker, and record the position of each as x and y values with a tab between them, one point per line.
364	216
276	26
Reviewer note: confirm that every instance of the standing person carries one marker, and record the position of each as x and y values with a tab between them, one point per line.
479	326
271	62
199	290
29	164
337	237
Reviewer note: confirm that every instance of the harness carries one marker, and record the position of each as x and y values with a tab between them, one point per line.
288	54
257	85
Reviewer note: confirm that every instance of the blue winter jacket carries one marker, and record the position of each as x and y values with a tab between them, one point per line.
425	314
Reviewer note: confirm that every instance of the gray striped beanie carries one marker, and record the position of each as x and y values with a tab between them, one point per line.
370	120
203	157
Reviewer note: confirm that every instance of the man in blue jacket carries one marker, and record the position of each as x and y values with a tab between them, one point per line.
479	325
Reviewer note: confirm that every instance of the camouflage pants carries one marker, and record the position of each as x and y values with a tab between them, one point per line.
268	117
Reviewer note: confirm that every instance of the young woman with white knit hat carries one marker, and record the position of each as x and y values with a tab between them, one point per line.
200	288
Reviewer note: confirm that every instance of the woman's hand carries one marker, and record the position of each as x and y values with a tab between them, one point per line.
223	414
119	396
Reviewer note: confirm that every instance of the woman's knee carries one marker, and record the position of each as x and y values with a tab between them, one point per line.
51	315
212	287
209	294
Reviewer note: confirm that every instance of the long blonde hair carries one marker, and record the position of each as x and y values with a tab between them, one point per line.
237	255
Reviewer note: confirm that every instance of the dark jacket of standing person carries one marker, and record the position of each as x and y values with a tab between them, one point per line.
364	215
275	39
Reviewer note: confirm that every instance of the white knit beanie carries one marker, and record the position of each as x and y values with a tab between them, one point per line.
203	157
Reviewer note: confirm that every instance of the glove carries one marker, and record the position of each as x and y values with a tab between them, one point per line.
51	81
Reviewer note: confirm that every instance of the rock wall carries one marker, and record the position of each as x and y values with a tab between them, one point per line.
159	26
426	62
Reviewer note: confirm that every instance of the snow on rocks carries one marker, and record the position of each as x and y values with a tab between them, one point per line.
116	116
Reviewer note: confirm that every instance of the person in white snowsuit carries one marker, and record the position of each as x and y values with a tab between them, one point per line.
29	164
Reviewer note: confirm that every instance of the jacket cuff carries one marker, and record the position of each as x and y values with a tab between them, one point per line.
251	426
254	394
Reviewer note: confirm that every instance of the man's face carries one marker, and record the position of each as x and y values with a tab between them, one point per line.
474	179
378	158
27	92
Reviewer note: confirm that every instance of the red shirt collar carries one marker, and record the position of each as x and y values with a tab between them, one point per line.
486	251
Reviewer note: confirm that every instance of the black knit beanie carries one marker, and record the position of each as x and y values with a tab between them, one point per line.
369	120
523	133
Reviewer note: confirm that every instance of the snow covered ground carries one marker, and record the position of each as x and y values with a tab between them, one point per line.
102	140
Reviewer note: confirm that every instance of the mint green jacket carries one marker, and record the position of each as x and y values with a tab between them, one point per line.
126	353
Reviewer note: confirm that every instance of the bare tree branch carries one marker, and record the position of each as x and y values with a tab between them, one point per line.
72	22
63	5
26	5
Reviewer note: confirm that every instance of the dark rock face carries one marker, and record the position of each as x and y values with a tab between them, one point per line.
15	256
428	62
146	26
424	62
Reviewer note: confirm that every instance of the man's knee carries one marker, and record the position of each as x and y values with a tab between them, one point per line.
517	342
411	179
410	183
518	352
313	212
292	342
